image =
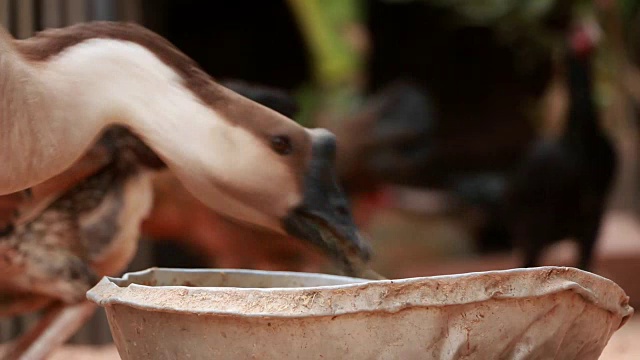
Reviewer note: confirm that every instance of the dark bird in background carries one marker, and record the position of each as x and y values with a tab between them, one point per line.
561	189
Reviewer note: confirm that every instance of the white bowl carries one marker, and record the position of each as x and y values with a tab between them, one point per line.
538	313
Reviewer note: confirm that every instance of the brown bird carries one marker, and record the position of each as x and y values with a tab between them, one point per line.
88	232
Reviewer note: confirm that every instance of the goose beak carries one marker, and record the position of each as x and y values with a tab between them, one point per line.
323	217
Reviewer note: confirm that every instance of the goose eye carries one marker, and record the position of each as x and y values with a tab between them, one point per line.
281	144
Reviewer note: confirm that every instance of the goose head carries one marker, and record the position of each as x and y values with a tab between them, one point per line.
247	162
279	176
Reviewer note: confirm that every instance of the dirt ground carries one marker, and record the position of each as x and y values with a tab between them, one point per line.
624	344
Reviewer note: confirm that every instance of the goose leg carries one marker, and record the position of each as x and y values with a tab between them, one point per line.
58	324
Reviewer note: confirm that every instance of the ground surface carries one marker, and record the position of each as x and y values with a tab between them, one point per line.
624	344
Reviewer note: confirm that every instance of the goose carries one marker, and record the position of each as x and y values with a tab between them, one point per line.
62	89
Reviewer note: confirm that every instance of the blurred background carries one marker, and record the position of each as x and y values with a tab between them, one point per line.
436	105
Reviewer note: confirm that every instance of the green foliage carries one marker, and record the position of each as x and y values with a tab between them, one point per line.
323	23
337	66
629	8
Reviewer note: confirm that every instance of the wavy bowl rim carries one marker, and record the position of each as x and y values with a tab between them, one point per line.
358	295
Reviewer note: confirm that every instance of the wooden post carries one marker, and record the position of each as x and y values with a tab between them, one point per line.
25	20
4	14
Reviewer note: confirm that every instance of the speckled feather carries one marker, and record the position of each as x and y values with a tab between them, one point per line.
53	255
